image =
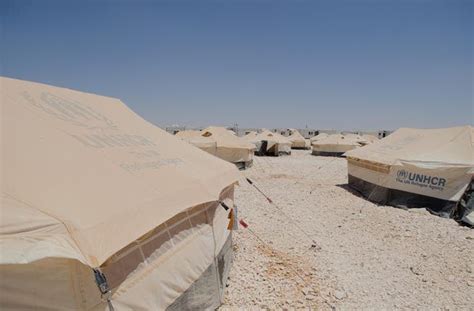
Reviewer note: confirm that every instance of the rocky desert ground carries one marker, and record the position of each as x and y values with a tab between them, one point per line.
364	256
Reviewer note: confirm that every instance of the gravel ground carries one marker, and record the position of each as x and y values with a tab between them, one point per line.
365	256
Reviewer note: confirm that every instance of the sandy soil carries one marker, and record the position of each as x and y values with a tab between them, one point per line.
366	256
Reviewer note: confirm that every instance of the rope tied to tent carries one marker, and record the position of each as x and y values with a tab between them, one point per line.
314	244
261	240
267	245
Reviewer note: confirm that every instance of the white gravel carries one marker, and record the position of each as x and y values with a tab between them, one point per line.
366	257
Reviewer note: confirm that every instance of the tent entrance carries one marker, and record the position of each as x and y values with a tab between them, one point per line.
207	292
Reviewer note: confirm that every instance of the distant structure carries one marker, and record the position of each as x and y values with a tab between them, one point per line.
175	129
306	132
383	133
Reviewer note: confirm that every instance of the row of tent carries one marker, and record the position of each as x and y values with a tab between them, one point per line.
101	210
225	144
430	168
274	144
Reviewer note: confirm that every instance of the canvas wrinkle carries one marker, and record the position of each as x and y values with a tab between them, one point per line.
82	257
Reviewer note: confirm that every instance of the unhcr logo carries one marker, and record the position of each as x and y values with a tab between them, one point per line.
402	174
74	112
421	180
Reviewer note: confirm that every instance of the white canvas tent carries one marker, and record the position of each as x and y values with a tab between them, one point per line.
416	168
337	144
230	147
273	144
89	185
297	140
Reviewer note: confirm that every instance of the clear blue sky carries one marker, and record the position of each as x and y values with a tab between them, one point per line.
326	64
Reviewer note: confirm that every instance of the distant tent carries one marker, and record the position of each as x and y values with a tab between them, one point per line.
93	195
318	137
297	140
230	147
188	134
252	137
337	144
194	137
273	144
429	168
370	138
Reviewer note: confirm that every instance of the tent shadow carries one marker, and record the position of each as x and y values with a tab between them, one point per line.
357	193
352	191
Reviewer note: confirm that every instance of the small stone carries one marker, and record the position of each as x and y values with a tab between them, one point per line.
470	283
310	297
339	294
415	271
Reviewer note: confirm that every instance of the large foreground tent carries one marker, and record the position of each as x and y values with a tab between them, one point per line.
297	140
429	168
229	147
101	209
337	144
273	144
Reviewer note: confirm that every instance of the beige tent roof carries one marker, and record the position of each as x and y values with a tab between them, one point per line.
251	137
450	146
251	134
271	136
337	143
370	138
188	133
297	139
226	138
295	135
83	175
228	146
340	139
194	137
318	137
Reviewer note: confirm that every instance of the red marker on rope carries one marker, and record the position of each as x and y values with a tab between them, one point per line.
243	223
266	197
